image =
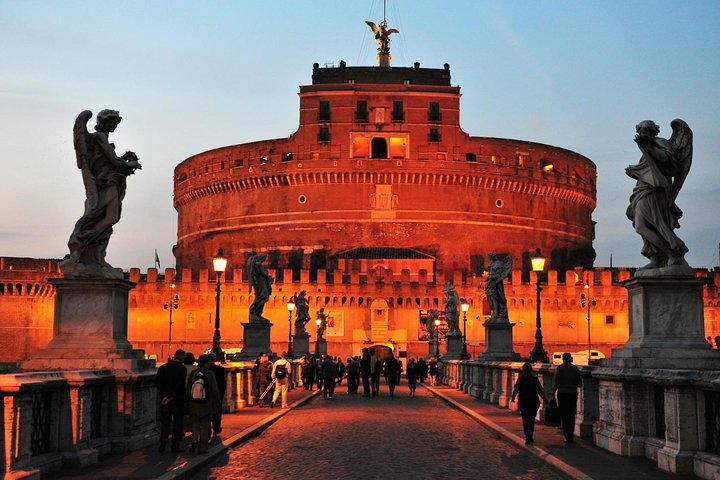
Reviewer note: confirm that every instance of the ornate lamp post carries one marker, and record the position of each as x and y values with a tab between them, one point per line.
219	265
171	304
317	340
538	353
465	307
290	307
437	337
586	301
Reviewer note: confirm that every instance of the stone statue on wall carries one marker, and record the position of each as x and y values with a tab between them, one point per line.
261	282
430	323
498	270
323	316
104	175
452	300
660	175
302	311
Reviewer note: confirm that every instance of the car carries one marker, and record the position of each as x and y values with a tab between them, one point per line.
579	358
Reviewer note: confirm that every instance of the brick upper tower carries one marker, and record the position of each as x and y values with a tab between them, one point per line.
379	161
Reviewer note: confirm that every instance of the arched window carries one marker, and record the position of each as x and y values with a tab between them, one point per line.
379	148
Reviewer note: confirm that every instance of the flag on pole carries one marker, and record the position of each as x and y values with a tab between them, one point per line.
157	260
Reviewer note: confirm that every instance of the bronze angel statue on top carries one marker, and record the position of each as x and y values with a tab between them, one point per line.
382	35
660	175
104	175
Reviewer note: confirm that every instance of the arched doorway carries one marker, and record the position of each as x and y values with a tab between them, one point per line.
381	351
379	148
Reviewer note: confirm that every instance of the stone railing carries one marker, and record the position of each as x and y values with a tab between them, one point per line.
656	423
242	384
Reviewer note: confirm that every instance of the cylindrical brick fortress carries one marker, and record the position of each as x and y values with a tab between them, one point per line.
379	160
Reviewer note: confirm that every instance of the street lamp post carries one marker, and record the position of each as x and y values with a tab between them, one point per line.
290	307
465	307
171	304
219	265
538	353
437	337
586	301
318	322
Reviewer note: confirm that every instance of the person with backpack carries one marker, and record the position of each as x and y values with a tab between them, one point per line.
203	398
280	374
170	383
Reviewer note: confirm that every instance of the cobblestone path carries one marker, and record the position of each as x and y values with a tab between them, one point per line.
350	437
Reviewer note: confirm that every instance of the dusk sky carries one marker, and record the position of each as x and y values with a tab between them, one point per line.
190	76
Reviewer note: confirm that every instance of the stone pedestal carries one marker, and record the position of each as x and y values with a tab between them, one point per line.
301	344
454	343
321	346
666	325
499	342
665	361
256	339
89	329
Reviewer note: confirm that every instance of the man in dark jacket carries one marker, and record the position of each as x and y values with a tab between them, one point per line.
170	383
221	380
567	381
365	371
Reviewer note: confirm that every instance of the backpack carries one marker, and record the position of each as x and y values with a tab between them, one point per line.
280	371
197	389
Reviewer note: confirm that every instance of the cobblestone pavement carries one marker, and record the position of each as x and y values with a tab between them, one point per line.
350	437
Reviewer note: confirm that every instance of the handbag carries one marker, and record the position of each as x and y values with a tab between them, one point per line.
552	414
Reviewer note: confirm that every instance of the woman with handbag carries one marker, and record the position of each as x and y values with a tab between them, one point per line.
529	392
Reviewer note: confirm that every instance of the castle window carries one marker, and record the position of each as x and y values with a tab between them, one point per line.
263	160
397	147
287	157
397	112
379	148
324	112
434	135
434	112
238	162
522	159
361	111
324	134
471	157
609	319
222	165
547	166
494	159
360	147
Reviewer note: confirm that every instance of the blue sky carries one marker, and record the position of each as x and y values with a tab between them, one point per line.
190	76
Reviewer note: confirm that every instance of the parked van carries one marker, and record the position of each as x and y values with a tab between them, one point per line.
579	358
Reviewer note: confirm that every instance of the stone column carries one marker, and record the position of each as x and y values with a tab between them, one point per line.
681	431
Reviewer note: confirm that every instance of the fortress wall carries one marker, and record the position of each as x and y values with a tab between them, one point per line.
27	313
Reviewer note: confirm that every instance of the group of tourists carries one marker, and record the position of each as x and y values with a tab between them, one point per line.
191	389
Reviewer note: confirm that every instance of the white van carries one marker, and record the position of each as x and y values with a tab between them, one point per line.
579	358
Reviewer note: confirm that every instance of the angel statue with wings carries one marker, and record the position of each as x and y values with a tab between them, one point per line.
452	301
660	175
302	311
104	175
498	270
260	281
382	35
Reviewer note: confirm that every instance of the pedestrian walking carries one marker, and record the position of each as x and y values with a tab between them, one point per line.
310	373
567	381
221	379
433	370
320	378
264	379
329	370
280	374
411	375
170	383
203	399
375	372
340	366
365	370
391	368
529	392
421	370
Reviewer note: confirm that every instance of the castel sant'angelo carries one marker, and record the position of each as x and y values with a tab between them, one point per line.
372	206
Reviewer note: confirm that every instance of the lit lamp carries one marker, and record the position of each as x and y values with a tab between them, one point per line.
538	353
465	307
317	340
585	301
290	307
219	265
171	304
437	337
